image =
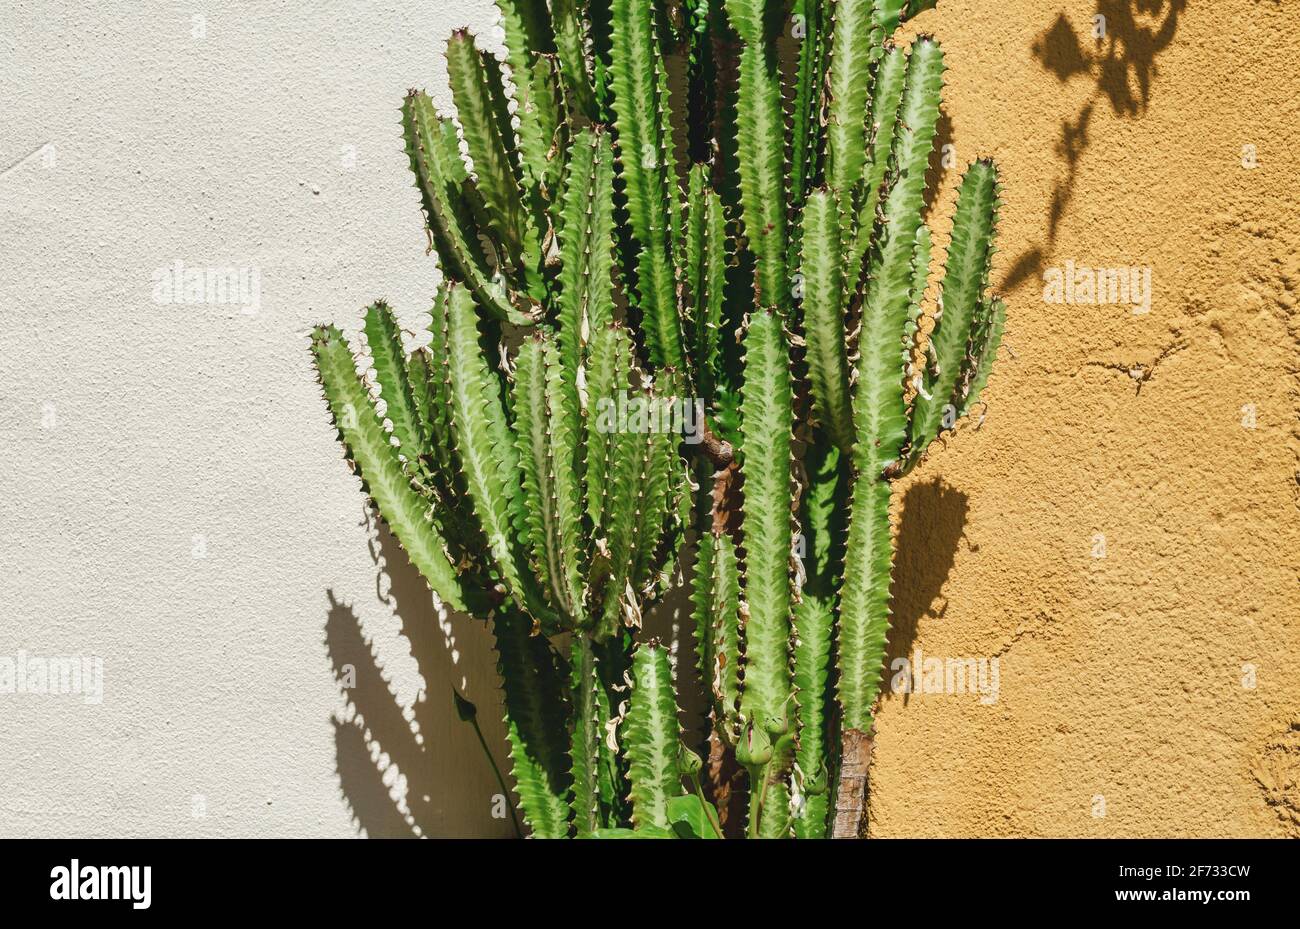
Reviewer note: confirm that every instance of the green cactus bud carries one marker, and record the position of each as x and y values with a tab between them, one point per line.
754	748
688	762
775	724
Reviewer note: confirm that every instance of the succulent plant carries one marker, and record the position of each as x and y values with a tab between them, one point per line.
615	260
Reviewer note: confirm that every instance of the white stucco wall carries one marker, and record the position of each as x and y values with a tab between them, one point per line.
174	501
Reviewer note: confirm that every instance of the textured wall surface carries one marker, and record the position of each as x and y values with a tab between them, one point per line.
1155	690
141	435
175	503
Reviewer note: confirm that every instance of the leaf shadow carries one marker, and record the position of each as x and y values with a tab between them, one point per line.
1121	63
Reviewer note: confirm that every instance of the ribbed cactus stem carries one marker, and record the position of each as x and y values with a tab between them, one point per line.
647	165
962	295
766	425
761	149
650	731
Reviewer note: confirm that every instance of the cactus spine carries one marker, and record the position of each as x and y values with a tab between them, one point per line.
595	278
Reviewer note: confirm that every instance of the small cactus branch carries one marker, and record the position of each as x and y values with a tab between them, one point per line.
760	127
823	317
586	300
454	507
883	123
540	505
530	48
606	377
528	29
727	620
484	118
385	343
853	53
420	384
962	299
814	625
646	162
702	593
486	450
570	44
650	734
616	539
986	336
807	108
765	463
590	715
439	184
382	476
544	135
563	460
665	500
921	249
707	258
651	508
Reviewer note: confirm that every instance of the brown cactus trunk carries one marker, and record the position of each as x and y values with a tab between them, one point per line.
851	796
726	788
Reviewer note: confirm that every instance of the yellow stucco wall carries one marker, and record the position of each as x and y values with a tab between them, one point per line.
1126	677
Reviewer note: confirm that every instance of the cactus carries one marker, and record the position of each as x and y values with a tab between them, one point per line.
753	249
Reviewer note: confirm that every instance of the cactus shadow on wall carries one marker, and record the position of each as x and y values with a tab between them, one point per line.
1121	64
931	526
936	173
449	784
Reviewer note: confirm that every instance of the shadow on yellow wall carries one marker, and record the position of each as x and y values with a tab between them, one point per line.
1130	35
